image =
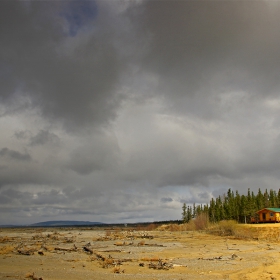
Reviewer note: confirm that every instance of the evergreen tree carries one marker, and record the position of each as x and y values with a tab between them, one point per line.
199	210
194	211
266	199
184	213
250	209
212	214
237	207
189	214
230	205
259	200
244	209
278	198
234	206
272	198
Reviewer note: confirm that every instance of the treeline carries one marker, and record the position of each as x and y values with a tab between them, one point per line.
233	206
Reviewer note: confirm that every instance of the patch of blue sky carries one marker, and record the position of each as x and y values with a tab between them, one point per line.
78	14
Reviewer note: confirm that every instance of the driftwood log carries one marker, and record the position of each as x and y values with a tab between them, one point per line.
87	249
66	249
26	252
161	265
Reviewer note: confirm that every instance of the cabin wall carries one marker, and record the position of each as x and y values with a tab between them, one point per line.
268	216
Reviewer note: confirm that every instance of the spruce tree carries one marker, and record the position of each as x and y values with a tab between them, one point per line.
244	208
278	198
184	213
259	200
237	207
266	199
189	214
272	198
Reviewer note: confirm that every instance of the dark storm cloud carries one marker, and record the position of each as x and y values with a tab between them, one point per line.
11	154
22	134
43	68
201	49
44	137
135	107
166	199
99	152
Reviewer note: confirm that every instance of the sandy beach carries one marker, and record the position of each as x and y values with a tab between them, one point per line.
90	253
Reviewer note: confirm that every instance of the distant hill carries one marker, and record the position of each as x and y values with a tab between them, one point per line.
65	223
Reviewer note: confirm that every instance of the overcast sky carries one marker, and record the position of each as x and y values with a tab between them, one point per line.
120	111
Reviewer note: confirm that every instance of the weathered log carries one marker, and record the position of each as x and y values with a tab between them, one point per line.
26	252
65	249
86	249
161	265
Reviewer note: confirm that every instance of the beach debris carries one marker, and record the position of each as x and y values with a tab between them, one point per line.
32	276
161	265
88	250
118	270
73	249
26	251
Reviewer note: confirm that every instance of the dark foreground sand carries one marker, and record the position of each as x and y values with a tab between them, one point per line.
85	253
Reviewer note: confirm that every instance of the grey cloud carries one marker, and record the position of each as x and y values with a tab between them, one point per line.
136	108
97	153
204	196
200	50
22	134
44	137
11	154
72	84
166	199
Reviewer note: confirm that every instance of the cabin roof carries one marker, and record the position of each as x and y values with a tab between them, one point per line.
270	209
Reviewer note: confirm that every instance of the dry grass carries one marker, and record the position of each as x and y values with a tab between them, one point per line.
118	270
32	276
6	250
267	232
29	275
223	228
151	227
245	231
108	262
49	248
142	243
4	239
202	222
119	243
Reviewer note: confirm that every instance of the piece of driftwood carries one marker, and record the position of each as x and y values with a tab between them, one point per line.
154	245
66	249
26	252
32	276
146	236
112	251
98	255
87	249
221	258
161	265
